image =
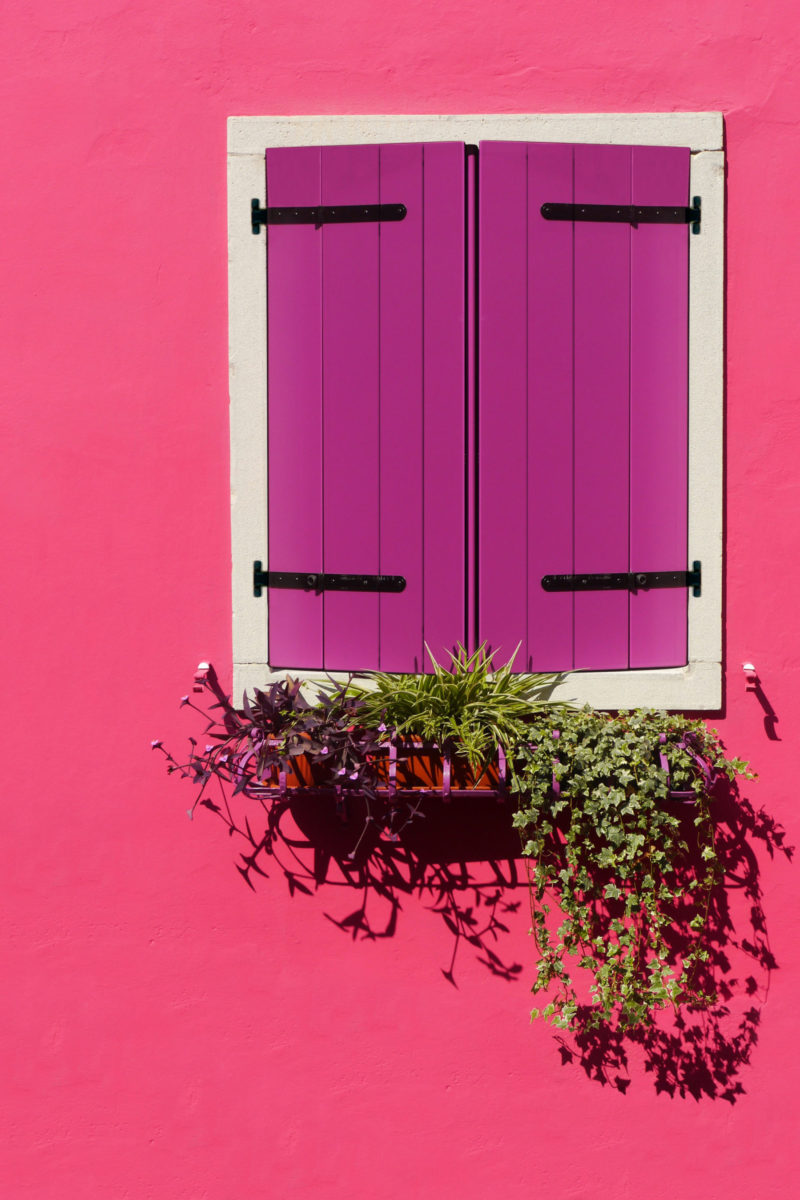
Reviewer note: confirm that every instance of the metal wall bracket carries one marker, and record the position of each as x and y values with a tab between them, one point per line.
626	581
632	214
324	581
324	214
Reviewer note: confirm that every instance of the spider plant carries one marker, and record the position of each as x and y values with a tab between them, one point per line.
468	707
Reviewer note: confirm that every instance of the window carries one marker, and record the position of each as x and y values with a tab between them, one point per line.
582	453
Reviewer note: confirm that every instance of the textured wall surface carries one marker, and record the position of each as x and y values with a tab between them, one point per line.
168	1033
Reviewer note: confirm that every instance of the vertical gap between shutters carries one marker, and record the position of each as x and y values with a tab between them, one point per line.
472	632
470	392
467	396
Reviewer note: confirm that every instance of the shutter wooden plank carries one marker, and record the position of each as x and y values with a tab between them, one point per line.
445	397
550	416
601	438
659	408
350	298
400	468
503	532
294	363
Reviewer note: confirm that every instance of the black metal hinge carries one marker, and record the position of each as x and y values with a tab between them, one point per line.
324	581
324	214
626	581
632	214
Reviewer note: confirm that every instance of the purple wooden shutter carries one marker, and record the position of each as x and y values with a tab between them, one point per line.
366	363
583	390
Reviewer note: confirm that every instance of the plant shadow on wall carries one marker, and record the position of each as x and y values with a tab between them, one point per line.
464	788
474	891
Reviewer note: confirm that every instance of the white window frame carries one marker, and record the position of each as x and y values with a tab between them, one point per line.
696	686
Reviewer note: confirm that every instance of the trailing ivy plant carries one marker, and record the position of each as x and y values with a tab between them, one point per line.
468	708
615	816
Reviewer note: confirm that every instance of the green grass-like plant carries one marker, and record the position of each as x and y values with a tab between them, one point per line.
468	708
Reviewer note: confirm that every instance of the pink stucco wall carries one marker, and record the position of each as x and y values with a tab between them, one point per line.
166	1032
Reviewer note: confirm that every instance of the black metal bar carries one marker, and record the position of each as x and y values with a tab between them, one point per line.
324	214
632	214
626	581
324	581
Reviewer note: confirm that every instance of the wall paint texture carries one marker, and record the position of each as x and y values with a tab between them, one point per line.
167	1032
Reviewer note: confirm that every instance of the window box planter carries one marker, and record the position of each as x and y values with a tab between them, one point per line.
615	813
403	768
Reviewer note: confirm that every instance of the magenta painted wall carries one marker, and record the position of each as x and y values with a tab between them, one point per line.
166	1032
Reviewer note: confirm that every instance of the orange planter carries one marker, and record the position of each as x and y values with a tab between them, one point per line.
405	767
